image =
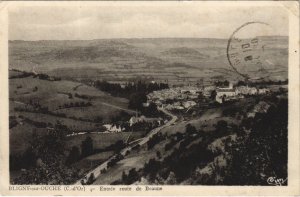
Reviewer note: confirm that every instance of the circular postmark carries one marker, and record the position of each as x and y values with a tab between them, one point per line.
246	51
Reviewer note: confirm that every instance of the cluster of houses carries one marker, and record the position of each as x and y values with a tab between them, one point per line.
180	105
115	128
175	98
135	119
182	98
161	96
235	93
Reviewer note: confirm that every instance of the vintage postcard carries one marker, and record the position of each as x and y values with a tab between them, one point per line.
149	98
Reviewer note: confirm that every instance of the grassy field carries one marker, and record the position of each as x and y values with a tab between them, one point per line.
74	125
92	161
20	136
100	141
79	107
134	160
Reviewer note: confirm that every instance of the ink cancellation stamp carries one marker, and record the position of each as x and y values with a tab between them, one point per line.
149	98
247	56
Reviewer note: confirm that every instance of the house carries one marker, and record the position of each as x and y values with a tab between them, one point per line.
207	90
246	90
146	104
189	104
113	128
169	107
225	94
179	107
263	91
133	120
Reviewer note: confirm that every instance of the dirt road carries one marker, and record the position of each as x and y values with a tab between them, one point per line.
96	171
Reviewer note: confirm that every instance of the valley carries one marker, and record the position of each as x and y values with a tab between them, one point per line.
135	111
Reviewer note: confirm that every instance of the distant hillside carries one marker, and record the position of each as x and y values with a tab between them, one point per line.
123	59
185	52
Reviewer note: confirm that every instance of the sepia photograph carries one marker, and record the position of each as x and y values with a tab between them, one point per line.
152	94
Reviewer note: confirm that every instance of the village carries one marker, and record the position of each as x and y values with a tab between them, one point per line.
183	99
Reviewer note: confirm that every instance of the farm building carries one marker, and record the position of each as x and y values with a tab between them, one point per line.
133	120
113	128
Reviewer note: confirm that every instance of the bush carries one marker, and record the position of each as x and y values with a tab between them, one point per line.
190	129
155	139
87	147
74	155
91	179
131	177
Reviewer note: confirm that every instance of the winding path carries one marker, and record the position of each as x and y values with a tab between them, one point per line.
96	171
117	107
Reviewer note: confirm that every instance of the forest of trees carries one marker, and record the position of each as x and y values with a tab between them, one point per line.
263	153
136	92
44	161
225	83
116	89
262	83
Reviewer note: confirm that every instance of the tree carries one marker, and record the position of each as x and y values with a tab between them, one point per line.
136	100
155	139
73	155
87	147
151	168
151	110
29	158
201	97
158	154
241	83
213	95
118	146
222	125
91	179
190	129
35	89
132	176
124	176
263	153
171	180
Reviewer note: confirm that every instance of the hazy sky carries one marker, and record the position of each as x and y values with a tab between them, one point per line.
179	20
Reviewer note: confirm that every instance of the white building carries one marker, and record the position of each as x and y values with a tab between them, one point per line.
263	91
225	94
113	128
189	104
245	90
133	120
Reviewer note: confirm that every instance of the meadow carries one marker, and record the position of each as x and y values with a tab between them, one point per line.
36	104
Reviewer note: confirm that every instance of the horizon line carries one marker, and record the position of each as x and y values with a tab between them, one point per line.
139	38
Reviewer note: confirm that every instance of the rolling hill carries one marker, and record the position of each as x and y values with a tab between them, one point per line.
36	105
174	59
